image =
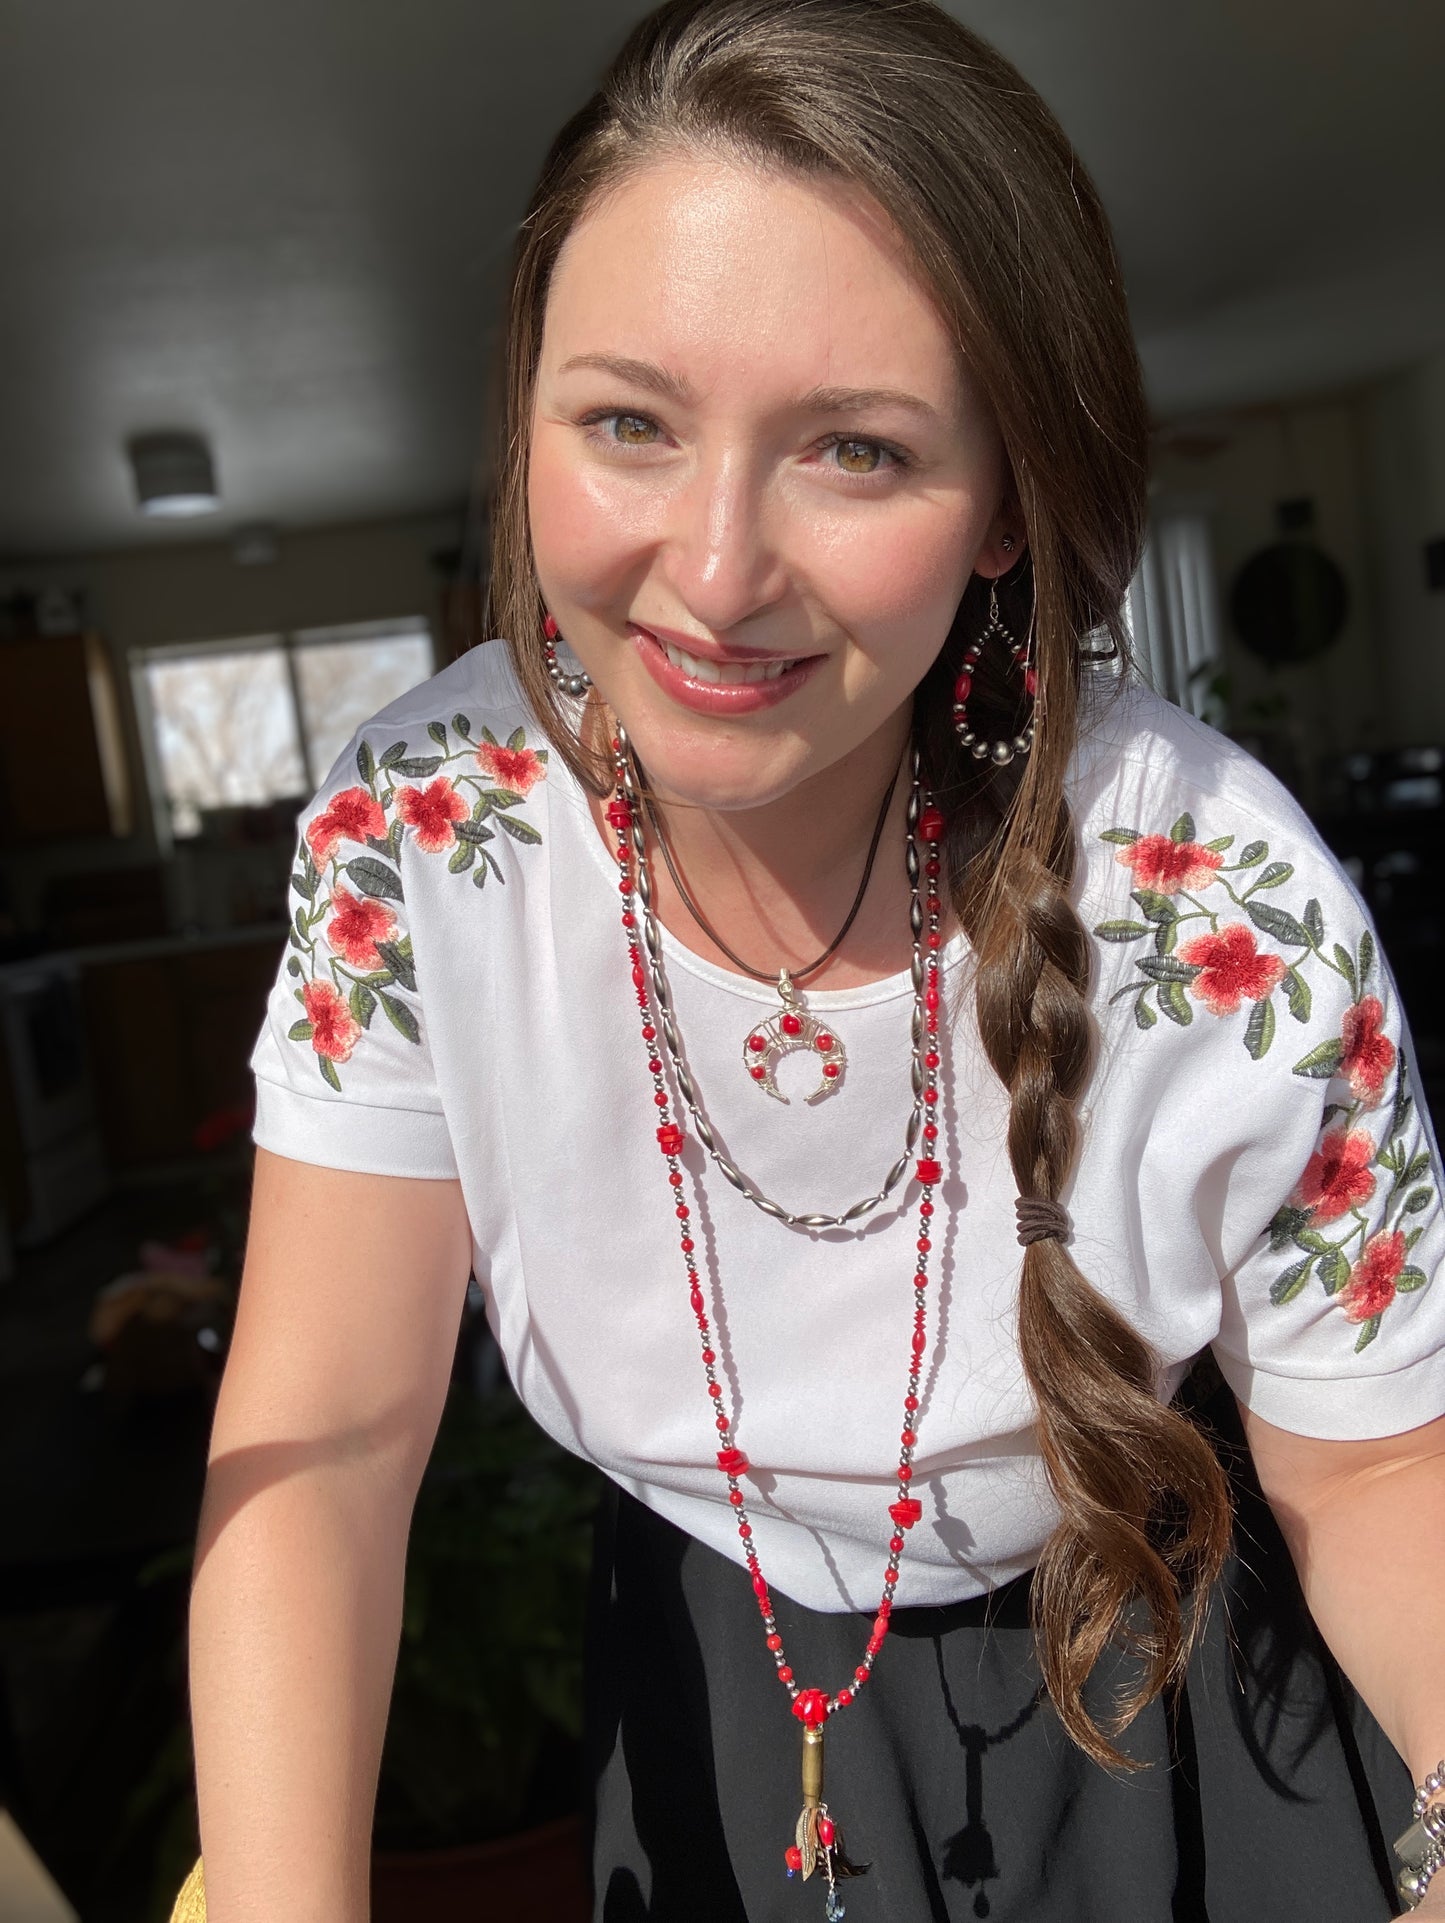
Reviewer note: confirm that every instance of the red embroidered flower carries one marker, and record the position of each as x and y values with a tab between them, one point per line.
430	811
519	769
334	1031
1337	1176
1369	1056
1371	1287
1167	866
353	815
357	925
1230	967
810	1706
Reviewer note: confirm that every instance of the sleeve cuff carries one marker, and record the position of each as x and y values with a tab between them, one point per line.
346	1134
1342	1408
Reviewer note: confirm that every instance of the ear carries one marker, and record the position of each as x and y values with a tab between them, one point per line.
1004	544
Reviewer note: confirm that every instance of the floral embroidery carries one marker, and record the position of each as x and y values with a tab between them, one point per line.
1363	1263
359	961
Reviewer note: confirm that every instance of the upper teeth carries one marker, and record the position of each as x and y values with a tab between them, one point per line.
732	671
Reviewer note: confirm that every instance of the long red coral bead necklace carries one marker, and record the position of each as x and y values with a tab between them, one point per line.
817	1843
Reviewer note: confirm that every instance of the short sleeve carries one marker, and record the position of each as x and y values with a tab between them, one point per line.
1333	1321
343	1066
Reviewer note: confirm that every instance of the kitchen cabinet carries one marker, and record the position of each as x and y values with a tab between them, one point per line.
63	769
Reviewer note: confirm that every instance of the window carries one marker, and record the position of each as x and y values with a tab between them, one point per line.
245	723
1172	610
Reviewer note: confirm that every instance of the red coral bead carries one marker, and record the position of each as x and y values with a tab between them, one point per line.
845	1696
775	1643
757	1043
931	824
669	1138
831	1071
826	1831
824	1044
906	1512
810	1706
785	1675
791	1024
732	1462
793	1857
963	687
929	1170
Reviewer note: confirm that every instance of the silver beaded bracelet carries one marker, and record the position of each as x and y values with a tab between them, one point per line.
1422	1848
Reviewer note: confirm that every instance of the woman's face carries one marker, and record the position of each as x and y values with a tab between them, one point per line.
760	478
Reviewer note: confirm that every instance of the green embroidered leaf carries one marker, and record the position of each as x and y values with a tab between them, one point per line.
1367	1334
1297	994
375	878
363	1003
1259	1032
1287	1286
1121	930
397	956
1345	962
400	1016
1322	1062
1331	1110
462	857
1404	1103
481	808
479	877
396	752
1367	956
300	1032
1155	907
1253	854
294	939
1220	843
328	1072
1286	1225
438	732
1312	1240
490	739
1410	1279
518	830
1165	968
1183	829
365	762
1386	1157
1277	873
393	838
1277	923
1418	1199
503	798
304	888
418	767
302	928
1314	921
1334	1271
1143	1014
1414	1235
1123	837
542	755
293	965
1420	1166
1165	937
1174	1003
517	739
473	830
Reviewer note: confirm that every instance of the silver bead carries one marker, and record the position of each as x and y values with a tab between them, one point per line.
979	750
1001	753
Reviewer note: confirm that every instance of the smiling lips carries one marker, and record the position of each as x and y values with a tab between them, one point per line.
710	684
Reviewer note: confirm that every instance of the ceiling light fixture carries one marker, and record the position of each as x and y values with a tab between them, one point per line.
174	475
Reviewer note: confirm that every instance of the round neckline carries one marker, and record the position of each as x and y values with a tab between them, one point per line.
866	994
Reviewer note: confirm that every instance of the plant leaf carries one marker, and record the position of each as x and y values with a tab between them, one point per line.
1276	923
365	762
438	732
1155	907
328	1072
1418	1199
1410	1279
1259	1031
1174	1003
418	767
375	878
1252	855
397	956
1120	930
1286	1225
462	857
1122	837
517	739
1334	1271
1220	843
1345	962
1314	921
1277	873
400	1016
1322	1062
1297	994
1183	829
1165	968
1368	1334
1367	956
518	830
1287	1286
363	1003
300	1032
1143	1014
462	724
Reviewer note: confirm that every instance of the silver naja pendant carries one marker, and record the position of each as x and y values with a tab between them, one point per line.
788	1032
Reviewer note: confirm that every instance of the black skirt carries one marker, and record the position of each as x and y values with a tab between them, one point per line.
1268	1795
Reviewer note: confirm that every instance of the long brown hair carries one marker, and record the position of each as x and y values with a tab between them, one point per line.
976	174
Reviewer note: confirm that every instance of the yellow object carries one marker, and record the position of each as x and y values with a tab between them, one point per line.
191	1903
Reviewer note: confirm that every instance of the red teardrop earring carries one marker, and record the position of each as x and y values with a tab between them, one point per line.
1002	751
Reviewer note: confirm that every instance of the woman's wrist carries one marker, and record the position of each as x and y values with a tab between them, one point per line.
1421	1847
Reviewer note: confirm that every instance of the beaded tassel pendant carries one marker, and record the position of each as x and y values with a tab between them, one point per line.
817	1841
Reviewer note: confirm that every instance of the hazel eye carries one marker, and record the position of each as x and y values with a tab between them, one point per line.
859	457
633	429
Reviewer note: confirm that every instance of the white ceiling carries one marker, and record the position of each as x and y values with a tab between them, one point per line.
283	222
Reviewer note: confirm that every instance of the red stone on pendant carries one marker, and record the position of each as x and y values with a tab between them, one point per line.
791	1024
826	1831
931	824
963	687
732	1462
759	1073
929	1170
810	1706
824	1044
793	1857
831	1071
757	1043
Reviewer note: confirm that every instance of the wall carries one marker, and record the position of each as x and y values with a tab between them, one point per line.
1405	474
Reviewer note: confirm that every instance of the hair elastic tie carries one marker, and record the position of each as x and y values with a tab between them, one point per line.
1041	1220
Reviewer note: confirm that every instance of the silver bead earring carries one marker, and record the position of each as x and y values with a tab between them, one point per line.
999	752
562	681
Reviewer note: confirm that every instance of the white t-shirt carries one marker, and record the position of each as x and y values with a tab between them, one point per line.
1254	1176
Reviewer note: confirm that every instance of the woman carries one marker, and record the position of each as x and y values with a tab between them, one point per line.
787	948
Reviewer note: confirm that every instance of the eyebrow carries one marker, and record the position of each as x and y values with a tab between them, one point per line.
818	400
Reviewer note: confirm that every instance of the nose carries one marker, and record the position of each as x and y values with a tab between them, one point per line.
721	554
